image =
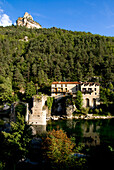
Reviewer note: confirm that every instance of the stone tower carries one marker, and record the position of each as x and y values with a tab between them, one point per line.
39	111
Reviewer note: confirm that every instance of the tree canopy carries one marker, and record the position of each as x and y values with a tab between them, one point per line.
53	55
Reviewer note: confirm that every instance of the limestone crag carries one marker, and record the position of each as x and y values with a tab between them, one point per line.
27	21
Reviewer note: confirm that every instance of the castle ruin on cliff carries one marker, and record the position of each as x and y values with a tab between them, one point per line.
27	21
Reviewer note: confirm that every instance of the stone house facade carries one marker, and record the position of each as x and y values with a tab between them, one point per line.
64	88
90	91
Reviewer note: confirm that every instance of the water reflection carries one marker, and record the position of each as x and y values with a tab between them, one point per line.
89	132
91	135
86	132
38	129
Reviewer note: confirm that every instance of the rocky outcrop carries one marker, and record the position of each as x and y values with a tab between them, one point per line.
69	110
27	21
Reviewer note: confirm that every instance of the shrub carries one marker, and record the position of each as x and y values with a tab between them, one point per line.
58	147
59	151
85	110
96	111
91	111
100	110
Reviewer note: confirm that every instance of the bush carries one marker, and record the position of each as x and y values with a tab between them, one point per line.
96	111
90	111
100	110
85	110
59	151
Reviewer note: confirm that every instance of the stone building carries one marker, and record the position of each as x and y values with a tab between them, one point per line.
27	21
60	89
90	91
39	111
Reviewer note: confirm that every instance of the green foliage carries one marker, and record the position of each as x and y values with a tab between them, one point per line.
96	111
106	95
5	89
30	90
49	102
79	100
20	108
2	165
15	144
84	110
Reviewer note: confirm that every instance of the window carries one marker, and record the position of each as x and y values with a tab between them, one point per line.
76	87
95	89
55	85
65	85
84	89
87	102
61	85
94	102
89	89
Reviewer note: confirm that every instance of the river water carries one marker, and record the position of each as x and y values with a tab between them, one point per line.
88	132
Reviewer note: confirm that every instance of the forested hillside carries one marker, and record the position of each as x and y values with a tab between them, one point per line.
52	55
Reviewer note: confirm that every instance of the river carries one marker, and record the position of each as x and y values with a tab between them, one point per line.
89	132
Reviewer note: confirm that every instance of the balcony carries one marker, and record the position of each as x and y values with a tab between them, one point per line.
57	90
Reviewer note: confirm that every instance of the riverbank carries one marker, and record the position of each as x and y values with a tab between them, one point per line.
88	116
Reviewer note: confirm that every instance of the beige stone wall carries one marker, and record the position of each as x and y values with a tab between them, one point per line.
63	88
91	94
38	116
90	91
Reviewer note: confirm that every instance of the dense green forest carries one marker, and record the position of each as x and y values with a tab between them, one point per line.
52	55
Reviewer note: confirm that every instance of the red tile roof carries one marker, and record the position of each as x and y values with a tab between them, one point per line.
60	82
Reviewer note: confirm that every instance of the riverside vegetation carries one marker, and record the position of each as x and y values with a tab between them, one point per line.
56	150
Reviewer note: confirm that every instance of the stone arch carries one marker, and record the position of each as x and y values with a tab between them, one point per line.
87	102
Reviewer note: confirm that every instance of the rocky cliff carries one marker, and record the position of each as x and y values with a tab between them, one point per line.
27	21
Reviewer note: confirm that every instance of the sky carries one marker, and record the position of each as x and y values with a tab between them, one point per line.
95	16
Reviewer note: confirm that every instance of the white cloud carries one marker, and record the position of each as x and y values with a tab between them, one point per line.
4	19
